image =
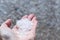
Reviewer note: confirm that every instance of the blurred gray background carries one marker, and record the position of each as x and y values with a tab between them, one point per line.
47	12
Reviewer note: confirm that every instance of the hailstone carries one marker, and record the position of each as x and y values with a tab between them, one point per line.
24	25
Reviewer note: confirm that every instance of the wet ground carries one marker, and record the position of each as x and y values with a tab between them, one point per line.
47	12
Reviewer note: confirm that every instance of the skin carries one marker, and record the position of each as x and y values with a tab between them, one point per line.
14	31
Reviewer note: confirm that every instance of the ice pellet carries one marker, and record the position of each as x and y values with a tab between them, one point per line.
24	25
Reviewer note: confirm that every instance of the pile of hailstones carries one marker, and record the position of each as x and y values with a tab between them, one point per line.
24	26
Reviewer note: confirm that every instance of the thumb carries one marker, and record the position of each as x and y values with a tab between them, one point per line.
7	23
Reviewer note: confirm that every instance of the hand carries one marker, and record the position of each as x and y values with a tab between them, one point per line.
11	34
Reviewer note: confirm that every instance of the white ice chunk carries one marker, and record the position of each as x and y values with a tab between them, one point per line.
24	24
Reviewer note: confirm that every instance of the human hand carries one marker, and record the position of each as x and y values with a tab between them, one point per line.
11	34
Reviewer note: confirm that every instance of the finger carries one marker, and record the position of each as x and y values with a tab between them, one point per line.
7	23
30	16
34	26
34	18
35	23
